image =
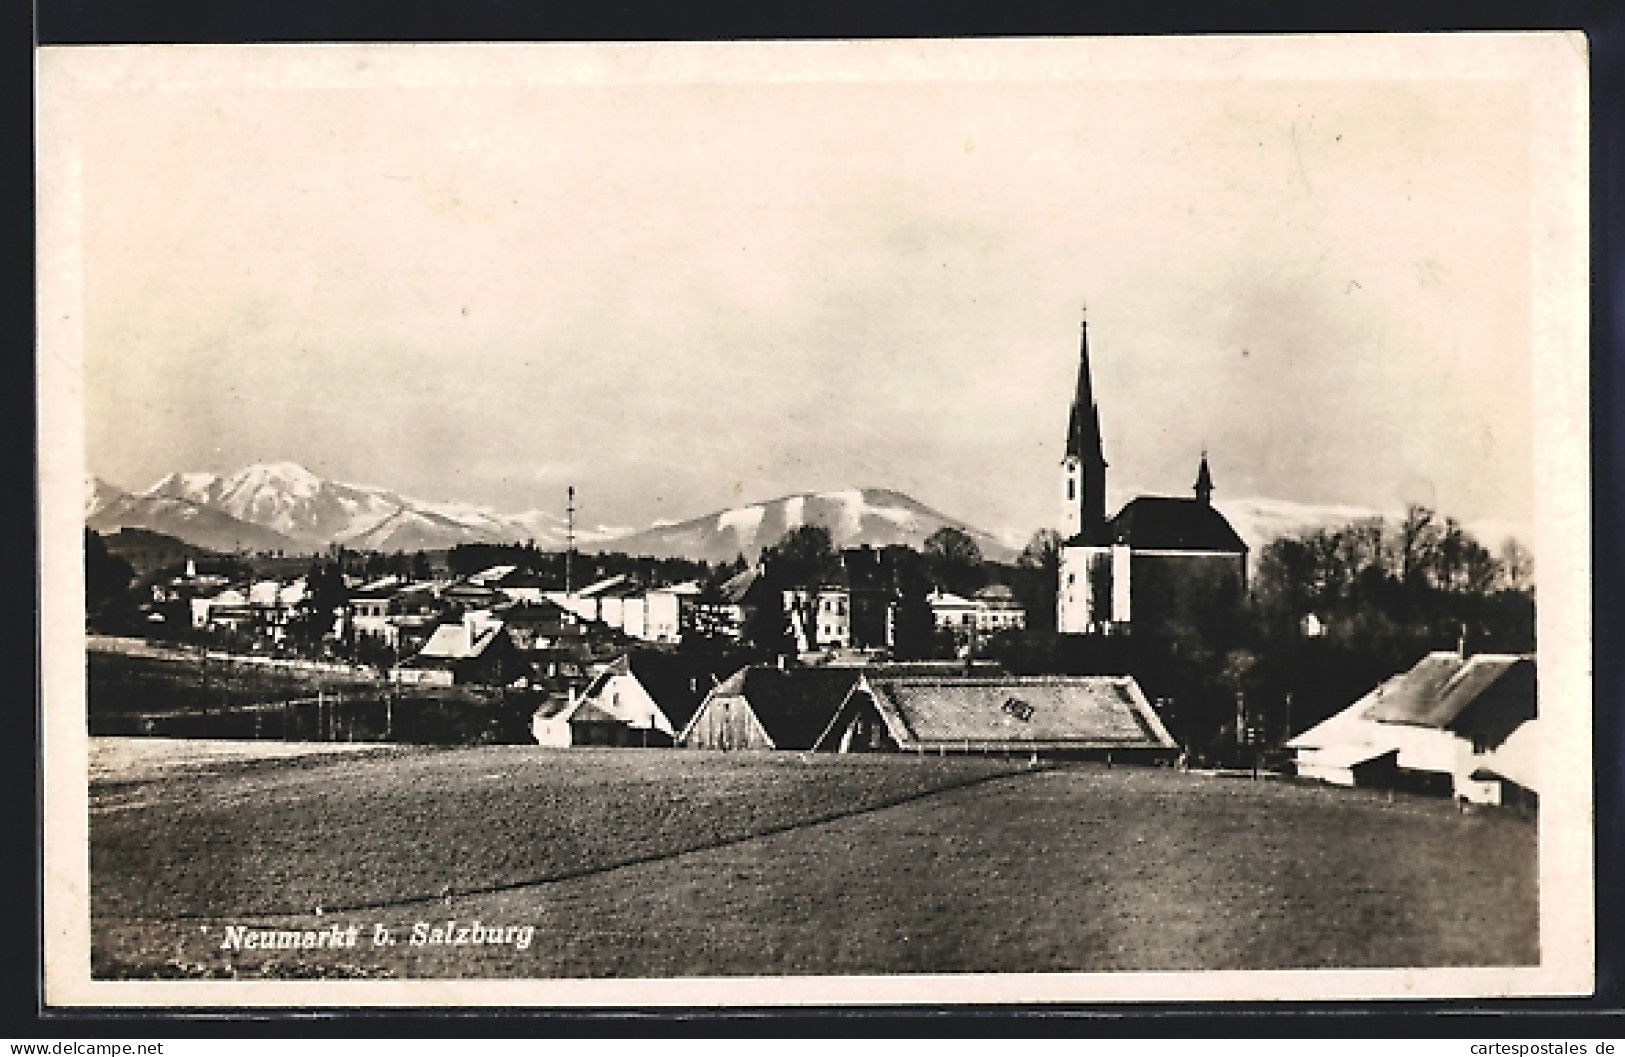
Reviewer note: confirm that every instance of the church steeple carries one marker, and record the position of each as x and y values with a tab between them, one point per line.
1204	482
1085	463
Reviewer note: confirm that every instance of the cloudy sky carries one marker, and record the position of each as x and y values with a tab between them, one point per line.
485	282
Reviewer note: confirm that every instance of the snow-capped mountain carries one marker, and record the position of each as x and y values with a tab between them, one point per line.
108	509
286	498
99	495
874	516
284	506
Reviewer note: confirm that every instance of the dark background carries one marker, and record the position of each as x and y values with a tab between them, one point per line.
90	22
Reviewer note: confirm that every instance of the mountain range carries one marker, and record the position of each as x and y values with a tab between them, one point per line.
283	506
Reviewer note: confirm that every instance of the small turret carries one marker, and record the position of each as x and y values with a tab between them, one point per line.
1204	483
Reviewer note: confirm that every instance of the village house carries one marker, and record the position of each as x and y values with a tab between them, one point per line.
1047	716
369	608
1451	725
652	694
475	649
820	619
951	612
997	610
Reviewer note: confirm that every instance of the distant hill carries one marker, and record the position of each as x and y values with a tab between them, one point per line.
149	551
874	516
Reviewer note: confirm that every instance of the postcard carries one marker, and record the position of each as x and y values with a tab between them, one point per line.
849	522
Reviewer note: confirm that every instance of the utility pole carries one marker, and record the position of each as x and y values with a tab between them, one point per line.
570	542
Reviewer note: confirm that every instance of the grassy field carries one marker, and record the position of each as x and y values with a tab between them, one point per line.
172	695
636	863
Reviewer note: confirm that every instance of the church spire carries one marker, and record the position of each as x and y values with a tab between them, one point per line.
1084	467
1083	432
1204	482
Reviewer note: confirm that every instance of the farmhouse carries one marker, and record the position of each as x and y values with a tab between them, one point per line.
1452	725
476	649
1092	716
653	694
767	707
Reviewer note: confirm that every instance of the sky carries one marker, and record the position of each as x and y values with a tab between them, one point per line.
683	295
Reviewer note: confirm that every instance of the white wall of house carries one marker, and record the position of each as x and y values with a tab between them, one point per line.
623	697
662	617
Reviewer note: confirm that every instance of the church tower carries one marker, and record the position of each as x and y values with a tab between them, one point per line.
1083	470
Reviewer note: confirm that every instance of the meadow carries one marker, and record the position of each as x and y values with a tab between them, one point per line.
674	863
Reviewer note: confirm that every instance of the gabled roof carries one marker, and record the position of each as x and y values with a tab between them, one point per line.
793	705
948	600
492	575
1486	697
588	712
1441	688
1089	712
1167	523
593	590
459	641
676	683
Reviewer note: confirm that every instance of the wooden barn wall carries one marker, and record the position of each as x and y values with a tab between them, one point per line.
728	723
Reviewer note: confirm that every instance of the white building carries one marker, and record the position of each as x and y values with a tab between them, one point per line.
1461	726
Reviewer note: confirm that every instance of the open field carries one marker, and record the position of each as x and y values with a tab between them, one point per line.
137	689
639	862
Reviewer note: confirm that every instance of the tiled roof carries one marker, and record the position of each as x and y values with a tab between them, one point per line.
1079	712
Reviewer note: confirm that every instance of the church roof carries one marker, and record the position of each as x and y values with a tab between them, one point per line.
1164	523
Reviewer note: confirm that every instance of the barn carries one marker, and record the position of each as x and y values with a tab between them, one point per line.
1049	716
767	707
1451	725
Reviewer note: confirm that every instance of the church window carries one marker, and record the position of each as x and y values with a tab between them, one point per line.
1071	488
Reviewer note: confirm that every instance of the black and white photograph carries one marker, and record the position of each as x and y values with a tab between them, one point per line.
721	524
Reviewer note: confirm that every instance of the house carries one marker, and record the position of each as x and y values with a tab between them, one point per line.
768	707
1076	716
569	722
1451	725
819	617
998	610
951	612
513	583
476	649
664	610
1160	557
654	694
370	607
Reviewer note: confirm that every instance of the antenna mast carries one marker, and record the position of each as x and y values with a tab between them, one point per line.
570	541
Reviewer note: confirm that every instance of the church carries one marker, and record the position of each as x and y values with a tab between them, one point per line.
1160	558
